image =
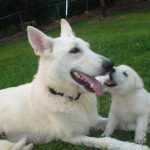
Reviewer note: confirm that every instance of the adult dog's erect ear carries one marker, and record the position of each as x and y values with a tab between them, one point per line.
39	41
66	28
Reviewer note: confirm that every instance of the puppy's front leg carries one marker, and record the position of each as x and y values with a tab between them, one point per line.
101	123
141	128
111	125
105	142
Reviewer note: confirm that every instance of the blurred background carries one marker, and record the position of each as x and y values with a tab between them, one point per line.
15	15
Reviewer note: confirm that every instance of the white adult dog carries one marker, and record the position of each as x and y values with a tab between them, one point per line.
55	105
130	107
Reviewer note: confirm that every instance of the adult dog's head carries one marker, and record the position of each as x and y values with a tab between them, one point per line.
67	62
123	80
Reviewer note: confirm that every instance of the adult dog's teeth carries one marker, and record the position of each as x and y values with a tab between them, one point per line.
76	73
92	85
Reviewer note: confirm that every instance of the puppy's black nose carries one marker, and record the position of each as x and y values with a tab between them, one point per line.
107	65
113	70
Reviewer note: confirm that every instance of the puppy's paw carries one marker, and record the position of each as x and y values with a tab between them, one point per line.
140	140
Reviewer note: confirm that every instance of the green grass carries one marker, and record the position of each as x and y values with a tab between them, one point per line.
125	40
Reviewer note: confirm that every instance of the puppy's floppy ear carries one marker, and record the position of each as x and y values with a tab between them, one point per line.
66	28
39	41
139	83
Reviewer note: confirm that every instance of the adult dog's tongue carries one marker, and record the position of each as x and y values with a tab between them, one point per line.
97	88
94	84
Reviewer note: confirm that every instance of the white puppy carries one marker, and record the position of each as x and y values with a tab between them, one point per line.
130	106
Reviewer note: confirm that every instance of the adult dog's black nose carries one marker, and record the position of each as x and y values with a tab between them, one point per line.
107	65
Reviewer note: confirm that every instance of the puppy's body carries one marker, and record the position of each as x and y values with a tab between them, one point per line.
130	107
55	105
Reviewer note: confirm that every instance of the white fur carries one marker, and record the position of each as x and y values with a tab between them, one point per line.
31	111
130	106
20	145
102	80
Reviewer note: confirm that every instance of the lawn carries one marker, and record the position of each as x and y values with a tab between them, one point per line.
124	39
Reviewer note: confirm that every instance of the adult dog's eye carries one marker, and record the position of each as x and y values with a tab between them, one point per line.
75	50
125	74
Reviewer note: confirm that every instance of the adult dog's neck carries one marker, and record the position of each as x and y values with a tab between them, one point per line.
56	81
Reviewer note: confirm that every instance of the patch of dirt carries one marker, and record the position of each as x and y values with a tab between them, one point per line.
50	26
12	37
87	14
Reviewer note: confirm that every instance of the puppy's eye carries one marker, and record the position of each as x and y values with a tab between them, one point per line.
125	74
75	50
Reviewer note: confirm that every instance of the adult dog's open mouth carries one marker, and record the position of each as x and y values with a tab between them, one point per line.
89	82
110	82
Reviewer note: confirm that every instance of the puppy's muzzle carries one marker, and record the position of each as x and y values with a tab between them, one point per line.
113	70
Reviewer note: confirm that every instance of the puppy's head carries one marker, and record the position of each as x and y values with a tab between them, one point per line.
68	59
124	79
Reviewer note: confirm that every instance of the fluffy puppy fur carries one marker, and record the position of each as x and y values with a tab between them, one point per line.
130	107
